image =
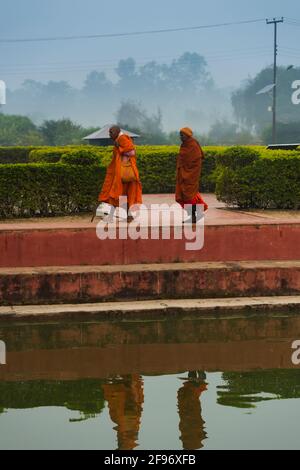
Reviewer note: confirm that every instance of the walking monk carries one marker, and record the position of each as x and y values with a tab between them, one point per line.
189	165
122	177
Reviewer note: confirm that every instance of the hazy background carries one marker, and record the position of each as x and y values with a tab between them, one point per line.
52	80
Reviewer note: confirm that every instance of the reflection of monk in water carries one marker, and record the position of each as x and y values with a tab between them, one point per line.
191	424
125	402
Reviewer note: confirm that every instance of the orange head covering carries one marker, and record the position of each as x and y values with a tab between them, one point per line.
187	131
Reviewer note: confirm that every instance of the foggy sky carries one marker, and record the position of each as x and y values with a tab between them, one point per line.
233	53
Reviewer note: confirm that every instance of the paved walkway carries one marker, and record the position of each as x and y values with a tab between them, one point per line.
217	214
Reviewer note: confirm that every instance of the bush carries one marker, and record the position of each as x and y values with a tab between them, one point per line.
271	182
55	154
82	157
48	189
12	155
46	155
157	167
246	177
238	157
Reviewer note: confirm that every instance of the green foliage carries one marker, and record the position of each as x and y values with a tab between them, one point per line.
246	389
252	110
67	180
269	182
46	190
46	155
84	156
238	157
15	154
18	130
224	132
85	396
287	133
70	154
61	132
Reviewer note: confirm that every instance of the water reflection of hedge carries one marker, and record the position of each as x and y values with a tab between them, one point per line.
85	396
244	390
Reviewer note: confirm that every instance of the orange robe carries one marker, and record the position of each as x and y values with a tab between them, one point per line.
192	425
113	187
189	166
125	403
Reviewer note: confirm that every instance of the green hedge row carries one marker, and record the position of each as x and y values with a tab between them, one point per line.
54	154
48	190
15	154
157	167
61	181
267	181
157	164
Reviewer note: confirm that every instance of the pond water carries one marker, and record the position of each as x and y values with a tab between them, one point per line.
224	383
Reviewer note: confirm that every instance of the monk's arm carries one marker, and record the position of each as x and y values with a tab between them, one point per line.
125	145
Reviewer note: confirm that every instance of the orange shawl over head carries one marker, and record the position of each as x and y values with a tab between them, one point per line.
189	166
113	186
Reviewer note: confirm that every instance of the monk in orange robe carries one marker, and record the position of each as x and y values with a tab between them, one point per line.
192	425
125	402
189	166
122	177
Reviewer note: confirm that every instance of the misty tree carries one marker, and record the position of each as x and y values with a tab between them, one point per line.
61	132
224	132
131	115
96	83
18	130
188	74
286	133
183	89
252	110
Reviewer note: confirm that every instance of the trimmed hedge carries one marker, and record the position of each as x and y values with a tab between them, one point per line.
67	180
54	154
15	154
269	181
46	190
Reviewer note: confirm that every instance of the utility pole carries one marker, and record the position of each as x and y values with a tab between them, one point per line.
274	108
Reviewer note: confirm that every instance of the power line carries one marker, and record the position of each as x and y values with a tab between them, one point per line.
293	20
293	23
79	67
112	64
208	54
127	34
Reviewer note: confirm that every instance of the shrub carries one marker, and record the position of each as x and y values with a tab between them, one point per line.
54	154
238	157
246	177
268	183
48	189
46	155
10	155
82	157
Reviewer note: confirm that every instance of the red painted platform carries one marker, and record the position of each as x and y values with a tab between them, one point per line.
230	235
31	286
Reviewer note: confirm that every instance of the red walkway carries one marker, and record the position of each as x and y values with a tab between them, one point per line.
229	236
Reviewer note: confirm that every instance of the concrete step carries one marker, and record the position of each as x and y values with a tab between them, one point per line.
33	286
74	245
